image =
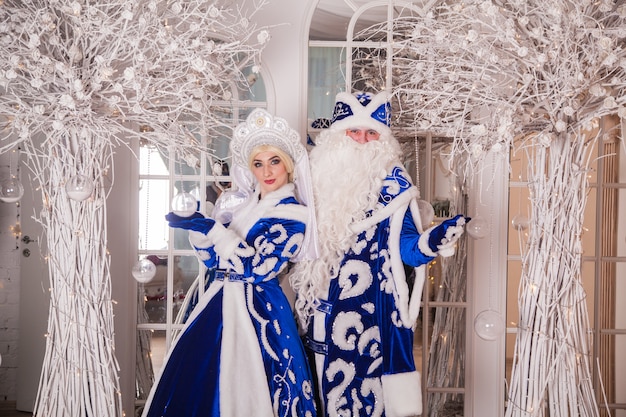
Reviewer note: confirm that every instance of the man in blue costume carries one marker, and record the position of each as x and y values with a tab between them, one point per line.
354	300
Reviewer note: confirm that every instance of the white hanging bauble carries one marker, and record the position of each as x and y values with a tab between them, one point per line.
489	325
11	190
427	213
477	227
79	187
184	204
144	270
520	222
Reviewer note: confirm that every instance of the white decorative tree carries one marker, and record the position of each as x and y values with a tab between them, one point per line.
535	76
77	79
488	72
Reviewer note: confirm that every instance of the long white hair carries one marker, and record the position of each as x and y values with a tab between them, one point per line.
347	178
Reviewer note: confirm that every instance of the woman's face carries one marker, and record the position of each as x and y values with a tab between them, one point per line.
270	171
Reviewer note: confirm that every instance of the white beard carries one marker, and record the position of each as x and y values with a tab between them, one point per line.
347	178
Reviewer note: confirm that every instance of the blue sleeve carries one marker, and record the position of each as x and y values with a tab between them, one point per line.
409	243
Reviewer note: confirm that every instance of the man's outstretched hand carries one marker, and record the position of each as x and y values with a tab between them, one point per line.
443	236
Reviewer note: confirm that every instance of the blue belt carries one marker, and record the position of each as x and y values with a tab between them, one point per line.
226	275
315	346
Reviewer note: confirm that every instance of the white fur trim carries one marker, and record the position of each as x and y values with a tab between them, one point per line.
422	244
291	212
226	241
386	211
401	292
416	296
402	394
361	117
239	341
415	302
447	250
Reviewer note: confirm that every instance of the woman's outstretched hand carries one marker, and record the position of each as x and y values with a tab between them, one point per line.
196	222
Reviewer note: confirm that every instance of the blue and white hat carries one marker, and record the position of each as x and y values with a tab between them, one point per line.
362	110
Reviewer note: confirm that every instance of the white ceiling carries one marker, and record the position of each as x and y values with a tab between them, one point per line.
331	18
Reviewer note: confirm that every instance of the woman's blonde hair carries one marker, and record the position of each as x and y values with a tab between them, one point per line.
284	156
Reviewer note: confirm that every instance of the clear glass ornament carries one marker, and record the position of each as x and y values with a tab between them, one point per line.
79	187
477	227
184	204
144	270
489	325
11	190
520	222
195	193
427	213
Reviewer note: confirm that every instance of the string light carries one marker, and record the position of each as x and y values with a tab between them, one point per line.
144	269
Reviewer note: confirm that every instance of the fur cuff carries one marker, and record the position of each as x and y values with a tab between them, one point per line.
199	240
422	244
226	241
402	394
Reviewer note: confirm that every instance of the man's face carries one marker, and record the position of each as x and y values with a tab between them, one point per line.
362	135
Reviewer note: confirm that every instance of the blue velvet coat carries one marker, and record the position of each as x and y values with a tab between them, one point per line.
239	353
362	333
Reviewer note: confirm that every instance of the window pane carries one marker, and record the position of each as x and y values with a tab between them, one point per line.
519	219
187	270
612	363
369	69
514	275
153	162
326	79
154	204
618	223
446	366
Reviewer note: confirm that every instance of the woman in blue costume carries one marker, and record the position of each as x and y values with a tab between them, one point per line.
239	353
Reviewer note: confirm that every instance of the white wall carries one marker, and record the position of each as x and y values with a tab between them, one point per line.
284	60
9	290
122	215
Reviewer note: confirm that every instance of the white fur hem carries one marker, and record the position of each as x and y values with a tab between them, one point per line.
402	394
